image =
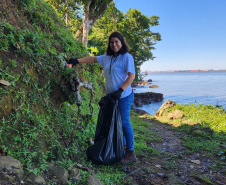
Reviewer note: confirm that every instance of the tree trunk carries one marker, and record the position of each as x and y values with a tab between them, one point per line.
66	12
89	21
98	14
86	24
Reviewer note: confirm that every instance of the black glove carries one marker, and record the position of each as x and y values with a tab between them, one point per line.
117	94
73	61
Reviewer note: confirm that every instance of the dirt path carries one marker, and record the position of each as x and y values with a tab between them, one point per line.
174	165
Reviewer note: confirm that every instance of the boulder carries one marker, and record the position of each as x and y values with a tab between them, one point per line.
140	111
153	86
35	180
177	114
6	178
75	174
61	174
12	165
167	104
142	82
146	98
93	180
50	166
149	80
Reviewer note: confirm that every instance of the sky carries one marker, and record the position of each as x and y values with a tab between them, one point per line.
193	33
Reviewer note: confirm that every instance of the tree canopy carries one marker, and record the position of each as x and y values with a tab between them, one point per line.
134	26
93	21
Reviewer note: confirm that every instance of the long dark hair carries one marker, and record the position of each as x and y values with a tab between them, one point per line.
124	49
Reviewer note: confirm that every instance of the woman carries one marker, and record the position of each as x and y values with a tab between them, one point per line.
119	73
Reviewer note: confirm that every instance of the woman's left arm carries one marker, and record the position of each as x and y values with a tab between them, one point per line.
128	81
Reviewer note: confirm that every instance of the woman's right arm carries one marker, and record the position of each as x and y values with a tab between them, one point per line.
88	60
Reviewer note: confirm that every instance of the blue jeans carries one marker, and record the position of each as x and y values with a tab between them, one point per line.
124	105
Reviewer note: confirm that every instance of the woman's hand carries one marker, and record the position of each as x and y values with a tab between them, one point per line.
117	94
73	61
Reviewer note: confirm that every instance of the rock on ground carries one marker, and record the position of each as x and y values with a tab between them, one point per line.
167	104
143	82
36	180
75	174
153	86
177	114
12	165
93	180
61	174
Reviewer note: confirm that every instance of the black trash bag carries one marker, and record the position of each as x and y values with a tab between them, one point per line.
108	144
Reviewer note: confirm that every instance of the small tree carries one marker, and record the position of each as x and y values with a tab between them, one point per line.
134	26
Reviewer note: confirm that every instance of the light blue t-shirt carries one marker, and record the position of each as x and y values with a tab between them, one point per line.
116	71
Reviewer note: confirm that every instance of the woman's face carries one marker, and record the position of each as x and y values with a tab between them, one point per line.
115	45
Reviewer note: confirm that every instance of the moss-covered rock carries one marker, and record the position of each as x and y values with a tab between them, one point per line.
12	165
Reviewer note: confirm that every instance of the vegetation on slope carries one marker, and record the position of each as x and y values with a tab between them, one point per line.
36	119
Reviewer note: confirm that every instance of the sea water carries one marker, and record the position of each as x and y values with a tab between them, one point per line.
205	87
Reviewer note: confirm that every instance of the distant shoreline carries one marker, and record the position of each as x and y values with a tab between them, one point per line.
181	71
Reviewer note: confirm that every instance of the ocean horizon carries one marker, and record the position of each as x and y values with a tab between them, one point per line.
205	87
184	70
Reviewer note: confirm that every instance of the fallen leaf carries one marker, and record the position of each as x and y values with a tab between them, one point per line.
5	82
196	161
79	165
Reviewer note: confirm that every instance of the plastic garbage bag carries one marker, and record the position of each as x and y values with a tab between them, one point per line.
108	144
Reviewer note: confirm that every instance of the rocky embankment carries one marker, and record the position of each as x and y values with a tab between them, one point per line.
144	83
147	98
